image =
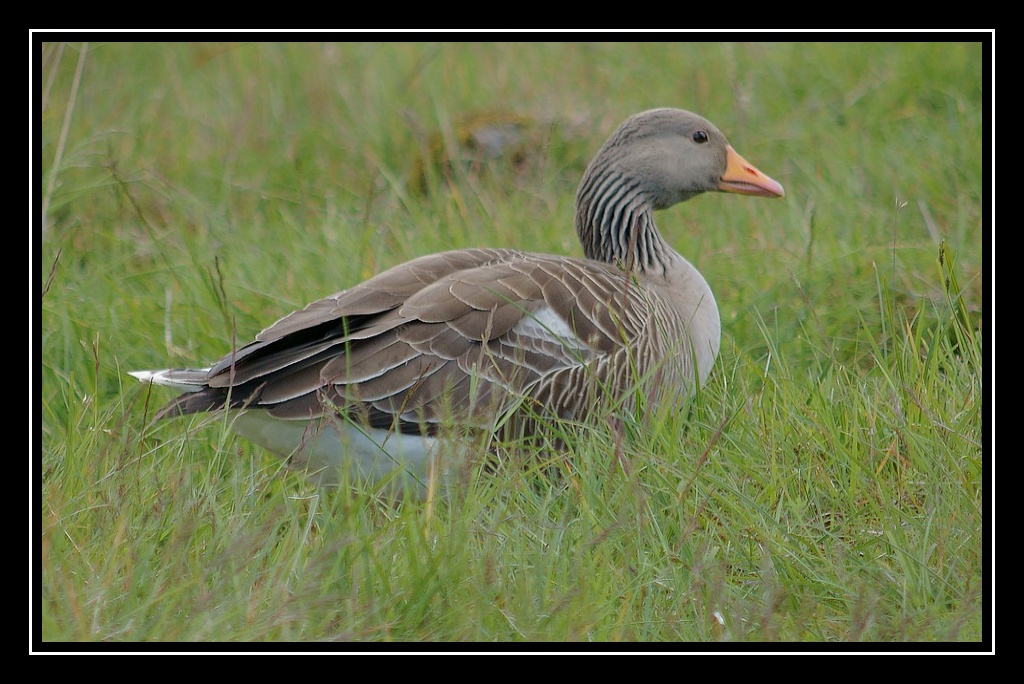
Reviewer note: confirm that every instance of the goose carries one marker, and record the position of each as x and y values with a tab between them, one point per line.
364	385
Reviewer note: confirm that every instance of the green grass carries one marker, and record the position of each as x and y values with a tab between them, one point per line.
826	486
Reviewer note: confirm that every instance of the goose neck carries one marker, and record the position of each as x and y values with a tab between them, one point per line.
615	224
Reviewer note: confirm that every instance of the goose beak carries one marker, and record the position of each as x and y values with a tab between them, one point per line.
743	178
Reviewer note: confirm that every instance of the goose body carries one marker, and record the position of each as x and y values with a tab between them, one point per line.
363	384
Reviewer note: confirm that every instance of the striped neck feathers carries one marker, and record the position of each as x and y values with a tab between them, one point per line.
615	223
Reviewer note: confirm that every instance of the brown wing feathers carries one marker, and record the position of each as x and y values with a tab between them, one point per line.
455	334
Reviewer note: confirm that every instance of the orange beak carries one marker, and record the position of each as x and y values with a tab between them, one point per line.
743	178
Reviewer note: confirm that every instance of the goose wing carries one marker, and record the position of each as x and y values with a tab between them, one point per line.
456	335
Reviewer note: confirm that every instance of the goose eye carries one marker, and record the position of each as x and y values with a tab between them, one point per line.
700	137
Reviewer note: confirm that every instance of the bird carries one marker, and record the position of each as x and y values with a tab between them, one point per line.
366	385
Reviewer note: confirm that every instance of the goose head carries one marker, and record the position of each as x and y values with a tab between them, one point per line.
657	159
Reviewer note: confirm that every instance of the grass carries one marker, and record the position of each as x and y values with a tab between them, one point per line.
826	488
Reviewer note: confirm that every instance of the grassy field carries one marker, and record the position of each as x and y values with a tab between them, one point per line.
826	488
